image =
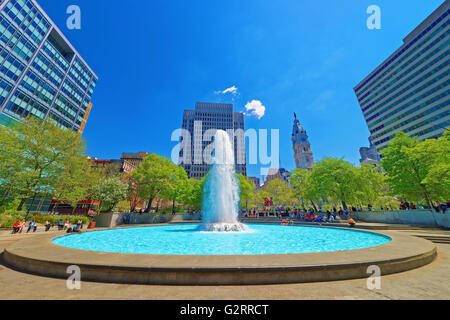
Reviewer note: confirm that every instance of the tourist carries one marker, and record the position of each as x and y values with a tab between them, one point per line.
437	207
351	222
66	224
47	226
16	227
32	225
22	226
60	225
443	207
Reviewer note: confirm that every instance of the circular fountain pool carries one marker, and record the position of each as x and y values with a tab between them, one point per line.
187	240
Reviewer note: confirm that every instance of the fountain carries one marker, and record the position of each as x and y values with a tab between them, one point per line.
220	208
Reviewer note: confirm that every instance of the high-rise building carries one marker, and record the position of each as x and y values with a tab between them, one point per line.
41	73
201	124
302	148
410	90
369	155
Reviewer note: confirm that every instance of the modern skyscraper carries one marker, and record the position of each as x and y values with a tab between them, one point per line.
410	90
369	155
302	148
200	125
41	73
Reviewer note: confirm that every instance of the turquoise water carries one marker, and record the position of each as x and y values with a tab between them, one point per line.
186	240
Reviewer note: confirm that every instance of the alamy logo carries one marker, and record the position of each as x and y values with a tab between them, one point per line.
198	148
74	20
374	281
74	280
374	20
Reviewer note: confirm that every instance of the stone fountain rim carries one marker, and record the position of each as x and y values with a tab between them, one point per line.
39	255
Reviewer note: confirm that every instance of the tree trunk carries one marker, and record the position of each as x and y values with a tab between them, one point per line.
314	206
173	206
149	205
22	202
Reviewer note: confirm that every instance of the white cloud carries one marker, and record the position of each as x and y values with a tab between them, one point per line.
256	108
233	90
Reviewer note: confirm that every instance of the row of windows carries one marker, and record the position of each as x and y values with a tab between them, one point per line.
411	111
28	17
72	91
442	125
92	87
5	88
59	121
412	68
47	69
443	16
55	55
23	106
12	68
405	89
38	87
413	101
408	62
65	107
80	74
412	119
16	40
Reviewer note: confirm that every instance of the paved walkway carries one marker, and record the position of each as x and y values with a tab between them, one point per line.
429	282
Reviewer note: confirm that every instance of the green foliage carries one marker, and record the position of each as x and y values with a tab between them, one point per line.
110	191
151	177
33	155
176	188
418	170
194	195
246	189
281	192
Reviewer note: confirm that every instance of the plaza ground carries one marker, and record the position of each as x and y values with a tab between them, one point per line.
428	282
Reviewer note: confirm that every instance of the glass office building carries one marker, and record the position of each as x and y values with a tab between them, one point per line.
410	91
41	74
209	117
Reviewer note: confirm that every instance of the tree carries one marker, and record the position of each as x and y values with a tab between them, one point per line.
334	178
176	188
418	170
194	194
281	192
304	189
151	176
258	198
246	190
109	191
34	154
370	184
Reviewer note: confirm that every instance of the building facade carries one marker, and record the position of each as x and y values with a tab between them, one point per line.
199	127
410	90
369	155
302	148
256	181
41	73
133	159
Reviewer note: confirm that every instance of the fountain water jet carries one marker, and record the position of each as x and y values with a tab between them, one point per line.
220	207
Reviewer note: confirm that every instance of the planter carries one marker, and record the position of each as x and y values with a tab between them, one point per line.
91	225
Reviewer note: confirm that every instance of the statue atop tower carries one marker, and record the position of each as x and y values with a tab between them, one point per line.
302	149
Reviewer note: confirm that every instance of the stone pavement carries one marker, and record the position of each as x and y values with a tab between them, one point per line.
429	282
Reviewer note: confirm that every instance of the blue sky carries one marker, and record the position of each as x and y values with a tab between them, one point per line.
156	58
